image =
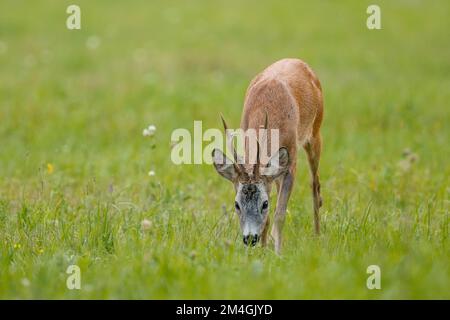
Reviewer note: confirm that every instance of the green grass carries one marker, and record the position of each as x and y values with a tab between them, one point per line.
83	110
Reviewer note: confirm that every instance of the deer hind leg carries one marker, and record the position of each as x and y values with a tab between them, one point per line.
313	148
284	191
264	237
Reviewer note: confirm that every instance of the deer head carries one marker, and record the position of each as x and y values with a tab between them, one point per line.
252	186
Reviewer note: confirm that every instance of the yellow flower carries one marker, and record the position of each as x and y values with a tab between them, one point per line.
50	168
41	251
17	246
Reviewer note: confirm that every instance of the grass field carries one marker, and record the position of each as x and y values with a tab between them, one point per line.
74	183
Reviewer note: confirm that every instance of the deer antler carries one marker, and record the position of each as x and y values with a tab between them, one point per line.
230	145
256	171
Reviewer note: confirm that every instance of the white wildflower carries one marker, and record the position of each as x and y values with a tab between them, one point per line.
149	131
151	173
146	224
25	282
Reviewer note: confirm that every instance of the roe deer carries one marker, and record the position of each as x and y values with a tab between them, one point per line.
286	96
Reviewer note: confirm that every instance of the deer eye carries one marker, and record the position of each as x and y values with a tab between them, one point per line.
265	205
236	206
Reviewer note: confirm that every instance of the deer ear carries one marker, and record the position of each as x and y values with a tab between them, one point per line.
224	166
278	164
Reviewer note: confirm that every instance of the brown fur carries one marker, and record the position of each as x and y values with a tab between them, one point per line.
291	95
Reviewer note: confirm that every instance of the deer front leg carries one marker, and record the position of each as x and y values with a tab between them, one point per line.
264	232
284	191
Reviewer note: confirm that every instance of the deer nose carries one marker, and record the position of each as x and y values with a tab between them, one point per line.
251	239
246	239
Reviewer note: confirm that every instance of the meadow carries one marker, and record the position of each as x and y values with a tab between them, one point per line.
75	187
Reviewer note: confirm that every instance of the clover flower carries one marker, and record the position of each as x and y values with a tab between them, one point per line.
146	224
149	131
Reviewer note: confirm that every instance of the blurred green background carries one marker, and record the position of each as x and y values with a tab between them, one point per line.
74	187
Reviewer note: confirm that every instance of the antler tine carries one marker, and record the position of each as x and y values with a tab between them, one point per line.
224	122
256	167
230	144
266	121
229	141
258	149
